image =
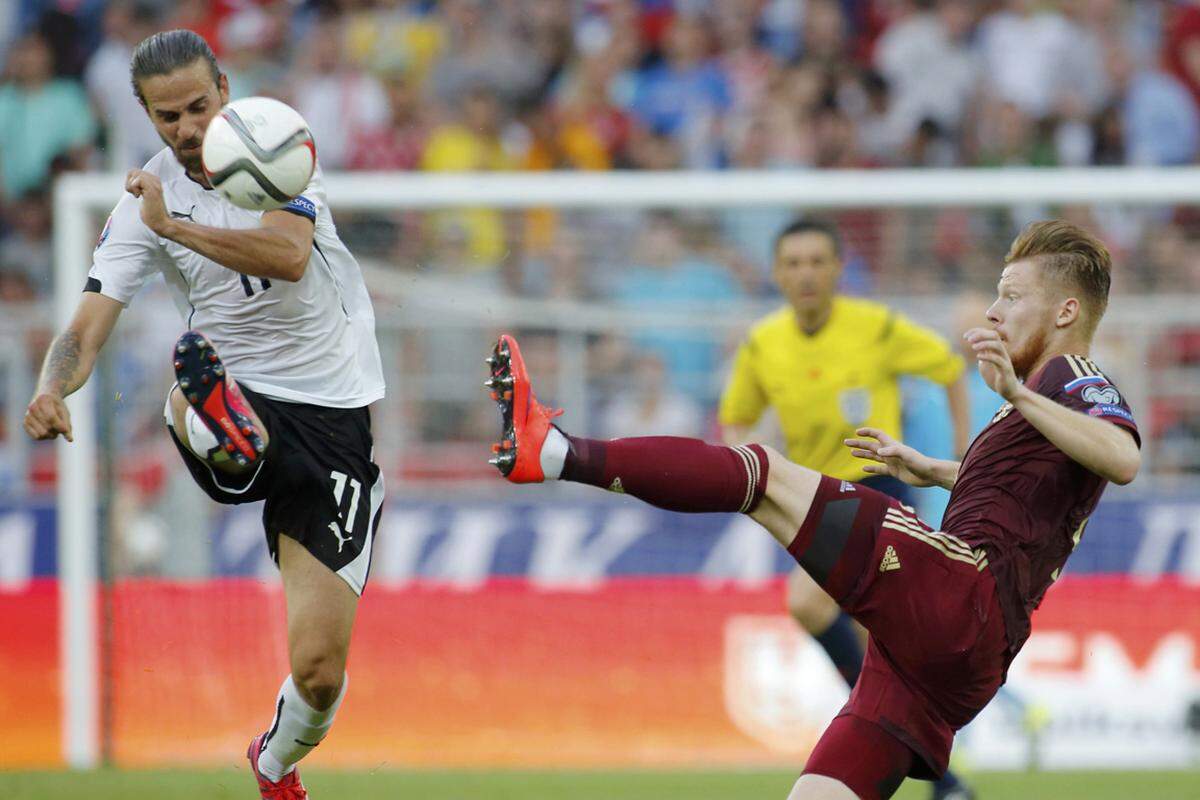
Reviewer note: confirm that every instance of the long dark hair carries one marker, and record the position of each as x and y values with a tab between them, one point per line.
167	51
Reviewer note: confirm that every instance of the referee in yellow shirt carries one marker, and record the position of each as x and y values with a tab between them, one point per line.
830	364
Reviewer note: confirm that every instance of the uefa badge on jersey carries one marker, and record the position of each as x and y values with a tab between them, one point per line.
1094	389
1107	395
104	233
855	405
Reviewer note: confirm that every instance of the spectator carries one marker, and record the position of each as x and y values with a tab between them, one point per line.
335	97
395	35
749	67
1035	59
584	99
1157	113
667	276
25	259
649	406
562	272
399	143
824	32
41	118
251	40
559	142
484	49
930	71
1010	138
555	143
685	96
1181	46
472	143
130	140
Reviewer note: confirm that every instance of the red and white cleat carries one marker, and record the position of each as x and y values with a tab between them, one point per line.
289	786
526	421
216	398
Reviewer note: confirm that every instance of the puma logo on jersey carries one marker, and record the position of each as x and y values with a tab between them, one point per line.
336	530
181	215
1004	411
890	561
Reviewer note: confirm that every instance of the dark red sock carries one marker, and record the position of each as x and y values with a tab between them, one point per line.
671	472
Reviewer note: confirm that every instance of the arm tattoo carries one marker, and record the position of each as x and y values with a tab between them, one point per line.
62	364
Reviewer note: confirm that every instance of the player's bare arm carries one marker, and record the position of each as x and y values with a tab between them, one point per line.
68	364
1100	446
894	458
278	249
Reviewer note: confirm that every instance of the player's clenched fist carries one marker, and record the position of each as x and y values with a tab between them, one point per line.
148	186
47	417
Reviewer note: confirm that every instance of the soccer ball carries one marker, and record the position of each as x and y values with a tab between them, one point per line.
258	153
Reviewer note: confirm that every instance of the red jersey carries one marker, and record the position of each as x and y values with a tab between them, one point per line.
1024	501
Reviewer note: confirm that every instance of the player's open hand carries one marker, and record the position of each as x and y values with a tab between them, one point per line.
47	416
995	365
891	457
147	186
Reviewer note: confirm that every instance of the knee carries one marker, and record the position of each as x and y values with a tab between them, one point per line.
775	459
809	604
318	679
173	413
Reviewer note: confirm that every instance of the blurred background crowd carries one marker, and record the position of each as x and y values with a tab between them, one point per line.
453	85
622	84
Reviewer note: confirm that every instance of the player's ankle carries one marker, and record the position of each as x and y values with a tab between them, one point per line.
553	455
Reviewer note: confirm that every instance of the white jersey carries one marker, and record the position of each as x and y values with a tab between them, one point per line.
312	341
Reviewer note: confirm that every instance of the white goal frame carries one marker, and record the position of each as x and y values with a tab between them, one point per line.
77	197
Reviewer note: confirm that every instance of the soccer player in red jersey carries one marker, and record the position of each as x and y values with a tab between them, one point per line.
946	610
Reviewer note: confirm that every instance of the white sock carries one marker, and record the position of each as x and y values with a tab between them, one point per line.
554	454
295	731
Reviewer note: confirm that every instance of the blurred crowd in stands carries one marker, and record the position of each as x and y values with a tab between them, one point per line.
452	85
614	84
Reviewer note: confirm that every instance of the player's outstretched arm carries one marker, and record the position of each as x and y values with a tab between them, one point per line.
900	461
68	364
1100	446
279	248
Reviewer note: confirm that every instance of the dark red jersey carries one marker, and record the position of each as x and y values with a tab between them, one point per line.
1024	501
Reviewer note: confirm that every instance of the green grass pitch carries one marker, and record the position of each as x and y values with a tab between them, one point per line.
465	785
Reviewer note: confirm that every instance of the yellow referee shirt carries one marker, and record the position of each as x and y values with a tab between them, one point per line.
841	378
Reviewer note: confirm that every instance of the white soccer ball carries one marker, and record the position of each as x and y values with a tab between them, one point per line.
258	153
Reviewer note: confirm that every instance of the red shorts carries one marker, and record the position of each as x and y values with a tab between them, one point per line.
937	650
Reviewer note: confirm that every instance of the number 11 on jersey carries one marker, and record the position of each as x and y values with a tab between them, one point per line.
266	284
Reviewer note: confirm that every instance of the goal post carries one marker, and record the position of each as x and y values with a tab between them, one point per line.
80	198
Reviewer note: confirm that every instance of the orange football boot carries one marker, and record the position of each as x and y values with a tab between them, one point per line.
526	421
289	786
216	398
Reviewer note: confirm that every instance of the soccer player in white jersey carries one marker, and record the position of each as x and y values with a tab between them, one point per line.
282	300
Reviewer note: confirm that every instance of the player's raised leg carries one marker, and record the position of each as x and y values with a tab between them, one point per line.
208	412
320	617
670	472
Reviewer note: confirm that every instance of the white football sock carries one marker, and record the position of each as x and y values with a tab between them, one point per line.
295	731
554	454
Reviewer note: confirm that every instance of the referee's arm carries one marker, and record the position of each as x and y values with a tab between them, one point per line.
743	401
917	350
960	414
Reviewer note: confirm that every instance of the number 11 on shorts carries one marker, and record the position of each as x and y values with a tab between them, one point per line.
339	492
